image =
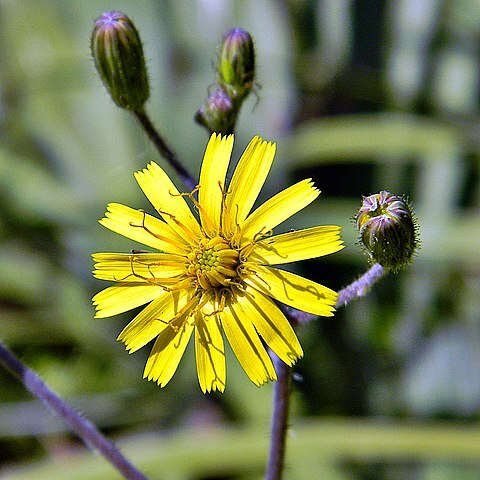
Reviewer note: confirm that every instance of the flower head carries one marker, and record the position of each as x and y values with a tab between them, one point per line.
388	229
213	277
118	55
236	67
218	114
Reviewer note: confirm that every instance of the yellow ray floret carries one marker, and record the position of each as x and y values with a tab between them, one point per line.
168	201
248	180
246	344
212	182
209	353
299	245
123	297
143	228
135	267
278	208
293	290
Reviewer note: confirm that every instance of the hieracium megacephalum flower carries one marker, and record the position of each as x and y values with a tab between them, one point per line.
214	276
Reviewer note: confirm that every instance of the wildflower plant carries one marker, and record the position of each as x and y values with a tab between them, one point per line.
216	268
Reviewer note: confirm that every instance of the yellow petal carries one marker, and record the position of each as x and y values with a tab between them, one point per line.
153	319
293	290
246	344
137	267
272	325
167	352
123	297
299	245
168	201
278	208
212	181
248	180
210	354
142	228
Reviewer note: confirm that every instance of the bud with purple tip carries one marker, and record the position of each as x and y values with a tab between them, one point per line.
387	229
236	67
118	55
218	114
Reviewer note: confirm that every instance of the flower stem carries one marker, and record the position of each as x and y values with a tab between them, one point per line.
356	289
282	387
361	286
163	149
281	401
83	427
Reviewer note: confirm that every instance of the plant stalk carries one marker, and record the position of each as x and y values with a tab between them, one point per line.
83	427
282	387
164	150
279	422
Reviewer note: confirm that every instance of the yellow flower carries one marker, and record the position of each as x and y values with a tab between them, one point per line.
214	274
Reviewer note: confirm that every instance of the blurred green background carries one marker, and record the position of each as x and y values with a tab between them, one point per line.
360	95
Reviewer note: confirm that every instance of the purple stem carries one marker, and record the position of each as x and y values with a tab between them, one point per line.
281	401
164	150
83	427
282	387
357	289
360	287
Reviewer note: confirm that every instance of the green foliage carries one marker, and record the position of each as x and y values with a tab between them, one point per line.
408	350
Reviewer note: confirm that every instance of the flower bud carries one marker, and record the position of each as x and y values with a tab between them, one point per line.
218	114
118	55
387	229
236	68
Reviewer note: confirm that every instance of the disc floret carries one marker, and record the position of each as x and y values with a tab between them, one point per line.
213	263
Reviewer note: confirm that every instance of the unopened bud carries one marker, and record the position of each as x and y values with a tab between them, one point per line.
218	114
387	229
236	69
118	55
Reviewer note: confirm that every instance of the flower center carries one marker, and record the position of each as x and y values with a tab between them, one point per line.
213	262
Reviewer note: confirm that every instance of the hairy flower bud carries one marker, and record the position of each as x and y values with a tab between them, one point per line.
218	114
236	68
118	55
387	229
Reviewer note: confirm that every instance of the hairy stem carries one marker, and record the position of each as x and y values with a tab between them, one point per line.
282	387
83	427
164	150
279	423
361	286
356	289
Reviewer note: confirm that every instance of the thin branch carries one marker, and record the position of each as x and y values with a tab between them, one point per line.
279	422
361	286
282	387
164	150
356	289
83	427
